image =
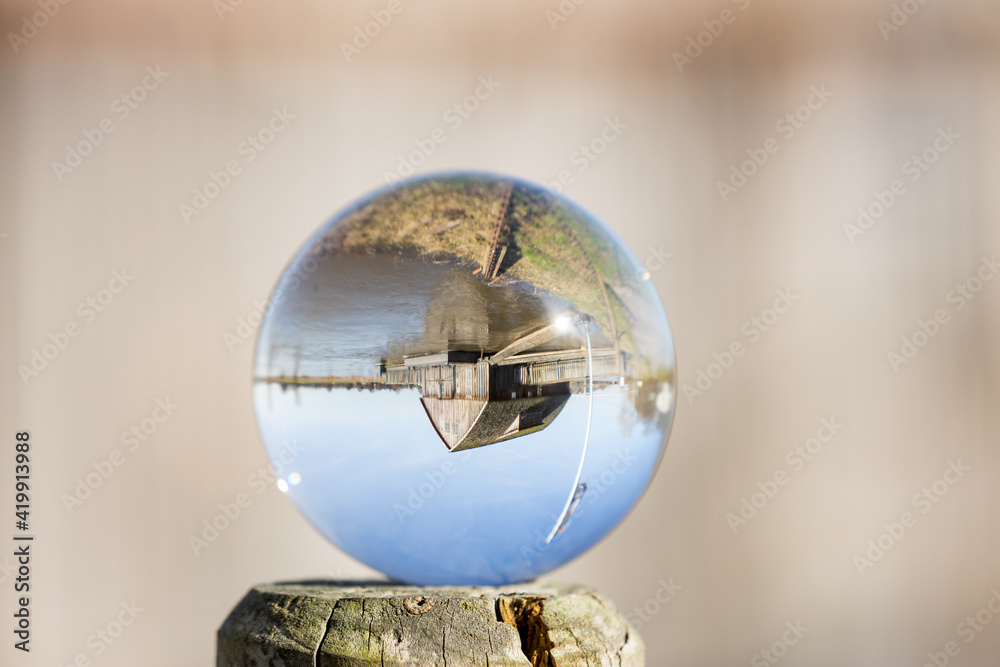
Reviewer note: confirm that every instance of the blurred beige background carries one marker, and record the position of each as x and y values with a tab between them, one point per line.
859	293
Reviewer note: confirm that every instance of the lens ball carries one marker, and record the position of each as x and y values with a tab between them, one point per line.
464	379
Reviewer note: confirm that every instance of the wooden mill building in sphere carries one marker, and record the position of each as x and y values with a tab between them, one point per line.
474	401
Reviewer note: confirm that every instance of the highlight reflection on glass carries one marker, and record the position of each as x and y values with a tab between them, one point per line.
471	378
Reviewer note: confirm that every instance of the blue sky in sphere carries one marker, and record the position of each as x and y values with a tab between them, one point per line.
379	483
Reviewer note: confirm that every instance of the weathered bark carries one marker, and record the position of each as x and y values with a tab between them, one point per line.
334	624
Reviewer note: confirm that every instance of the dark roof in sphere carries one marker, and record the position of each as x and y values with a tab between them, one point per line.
489	422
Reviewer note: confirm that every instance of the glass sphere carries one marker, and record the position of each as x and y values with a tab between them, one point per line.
464	379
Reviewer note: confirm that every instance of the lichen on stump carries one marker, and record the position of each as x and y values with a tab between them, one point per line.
334	624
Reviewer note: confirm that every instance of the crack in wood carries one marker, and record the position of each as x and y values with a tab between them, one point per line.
326	631
525	615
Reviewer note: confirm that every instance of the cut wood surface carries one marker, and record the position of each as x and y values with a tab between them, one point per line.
327	624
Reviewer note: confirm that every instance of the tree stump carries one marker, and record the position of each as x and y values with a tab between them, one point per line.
328	624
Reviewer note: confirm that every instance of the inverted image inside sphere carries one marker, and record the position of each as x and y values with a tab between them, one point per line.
464	379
